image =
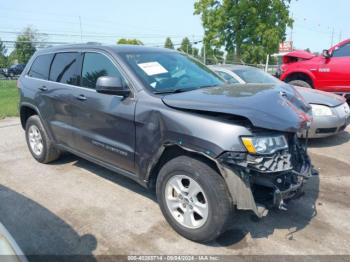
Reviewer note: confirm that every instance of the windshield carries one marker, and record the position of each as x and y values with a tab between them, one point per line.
170	71
256	76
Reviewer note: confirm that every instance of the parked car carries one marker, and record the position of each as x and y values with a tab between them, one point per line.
327	72
171	124
331	113
3	71
15	70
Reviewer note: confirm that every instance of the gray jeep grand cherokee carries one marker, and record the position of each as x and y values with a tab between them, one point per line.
171	124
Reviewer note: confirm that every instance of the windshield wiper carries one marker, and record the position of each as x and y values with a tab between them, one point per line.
205	86
182	89
175	90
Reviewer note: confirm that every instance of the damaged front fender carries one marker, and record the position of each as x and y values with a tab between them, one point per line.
238	182
239	187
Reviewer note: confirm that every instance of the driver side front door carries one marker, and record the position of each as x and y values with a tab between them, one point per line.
104	127
334	72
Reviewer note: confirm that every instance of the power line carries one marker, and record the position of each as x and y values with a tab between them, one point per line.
81	29
91	21
73	19
96	35
13	42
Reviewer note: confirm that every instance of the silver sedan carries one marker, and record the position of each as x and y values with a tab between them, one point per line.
331	113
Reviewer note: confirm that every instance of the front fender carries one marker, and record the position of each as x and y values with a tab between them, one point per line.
237	181
200	133
288	73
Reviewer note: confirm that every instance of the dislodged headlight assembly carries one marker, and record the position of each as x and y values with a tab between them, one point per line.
264	145
320	110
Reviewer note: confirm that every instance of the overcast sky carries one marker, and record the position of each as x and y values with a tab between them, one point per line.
152	20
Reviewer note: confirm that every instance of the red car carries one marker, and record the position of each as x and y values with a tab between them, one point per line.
328	72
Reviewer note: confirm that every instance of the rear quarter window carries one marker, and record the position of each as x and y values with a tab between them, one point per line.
65	68
41	67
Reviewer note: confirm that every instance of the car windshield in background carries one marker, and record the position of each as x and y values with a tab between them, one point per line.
256	76
164	72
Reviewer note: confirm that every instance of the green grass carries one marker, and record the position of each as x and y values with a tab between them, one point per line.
9	98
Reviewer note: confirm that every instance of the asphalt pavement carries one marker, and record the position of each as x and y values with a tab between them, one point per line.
73	206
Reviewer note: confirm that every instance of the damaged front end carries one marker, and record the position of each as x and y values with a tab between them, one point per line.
262	160
259	182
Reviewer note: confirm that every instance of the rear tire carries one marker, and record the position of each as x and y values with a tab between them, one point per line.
210	209
39	144
300	83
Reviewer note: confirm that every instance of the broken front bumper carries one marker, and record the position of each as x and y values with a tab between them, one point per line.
268	184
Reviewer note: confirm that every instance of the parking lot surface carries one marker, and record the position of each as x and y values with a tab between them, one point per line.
75	207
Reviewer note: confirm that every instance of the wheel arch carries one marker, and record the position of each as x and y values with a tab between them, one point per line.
300	75
168	152
26	111
236	181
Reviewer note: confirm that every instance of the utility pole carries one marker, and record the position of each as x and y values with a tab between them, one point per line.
332	36
81	30
291	31
192	45
204	54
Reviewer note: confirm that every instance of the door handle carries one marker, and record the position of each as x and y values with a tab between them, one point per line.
43	88
81	97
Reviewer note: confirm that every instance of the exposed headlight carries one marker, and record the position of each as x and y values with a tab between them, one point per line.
320	110
264	145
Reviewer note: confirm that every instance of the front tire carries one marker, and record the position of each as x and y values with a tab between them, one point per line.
39	144
300	83
194	199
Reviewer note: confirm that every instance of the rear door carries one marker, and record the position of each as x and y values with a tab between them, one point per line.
36	81
103	124
57	102
334	72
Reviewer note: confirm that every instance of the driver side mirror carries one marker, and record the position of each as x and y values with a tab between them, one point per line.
111	86
326	53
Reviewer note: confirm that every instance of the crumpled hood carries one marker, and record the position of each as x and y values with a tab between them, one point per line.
313	96
300	54
275	107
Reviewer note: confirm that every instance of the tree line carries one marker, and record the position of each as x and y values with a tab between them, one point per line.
211	53
25	45
28	42
234	31
239	31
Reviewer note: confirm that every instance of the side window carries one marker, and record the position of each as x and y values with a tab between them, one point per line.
94	66
342	51
227	77
41	67
65	68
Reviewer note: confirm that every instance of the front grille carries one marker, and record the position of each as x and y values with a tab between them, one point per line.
325	130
